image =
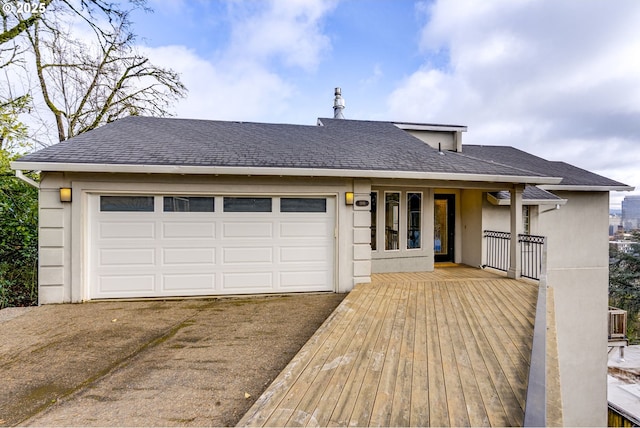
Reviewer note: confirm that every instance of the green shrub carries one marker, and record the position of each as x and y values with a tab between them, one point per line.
18	238
624	285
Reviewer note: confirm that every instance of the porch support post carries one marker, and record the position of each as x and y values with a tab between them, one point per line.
515	267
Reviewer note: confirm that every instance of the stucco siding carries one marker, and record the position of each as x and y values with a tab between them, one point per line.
578	272
471	230
442	140
495	217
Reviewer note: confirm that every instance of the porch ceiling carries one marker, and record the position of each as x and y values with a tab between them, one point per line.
444	348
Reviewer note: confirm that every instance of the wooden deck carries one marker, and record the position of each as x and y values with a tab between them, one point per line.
444	348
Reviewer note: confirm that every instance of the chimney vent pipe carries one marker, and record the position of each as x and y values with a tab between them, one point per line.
338	105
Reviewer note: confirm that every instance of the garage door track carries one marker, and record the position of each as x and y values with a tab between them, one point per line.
152	363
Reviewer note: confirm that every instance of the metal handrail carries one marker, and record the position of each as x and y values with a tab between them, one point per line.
497	256
531	250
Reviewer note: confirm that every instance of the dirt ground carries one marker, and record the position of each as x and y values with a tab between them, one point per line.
150	363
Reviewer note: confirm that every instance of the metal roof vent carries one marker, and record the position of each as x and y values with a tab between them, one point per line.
338	105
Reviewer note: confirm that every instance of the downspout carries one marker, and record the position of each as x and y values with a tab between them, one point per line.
26	179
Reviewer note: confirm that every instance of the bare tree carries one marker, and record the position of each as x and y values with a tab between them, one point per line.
87	83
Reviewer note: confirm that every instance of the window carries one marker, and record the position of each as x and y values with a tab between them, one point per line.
374	220
414	218
303	205
247	205
391	220
526	219
189	204
126	203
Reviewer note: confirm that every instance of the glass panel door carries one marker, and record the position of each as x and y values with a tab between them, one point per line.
443	233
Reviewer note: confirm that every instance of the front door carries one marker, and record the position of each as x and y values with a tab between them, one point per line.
444	223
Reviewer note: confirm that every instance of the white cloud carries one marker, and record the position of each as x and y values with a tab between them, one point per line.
223	91
245	80
289	31
374	77
559	79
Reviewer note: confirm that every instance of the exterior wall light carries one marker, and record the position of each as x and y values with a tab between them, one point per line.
348	198
65	194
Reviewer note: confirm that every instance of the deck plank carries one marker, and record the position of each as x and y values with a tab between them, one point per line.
364	404
381	412
421	390
514	365
401	405
317	371
352	354
456	405
367	356
508	331
275	402
443	348
483	333
321	395
476	409
488	394
438	404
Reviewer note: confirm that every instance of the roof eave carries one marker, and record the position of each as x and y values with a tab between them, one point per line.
269	171
428	127
587	188
507	201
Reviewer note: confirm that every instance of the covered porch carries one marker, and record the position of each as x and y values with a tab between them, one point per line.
450	347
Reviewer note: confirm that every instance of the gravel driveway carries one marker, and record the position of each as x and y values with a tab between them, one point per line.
150	363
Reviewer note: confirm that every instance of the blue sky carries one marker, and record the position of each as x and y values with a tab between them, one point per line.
560	79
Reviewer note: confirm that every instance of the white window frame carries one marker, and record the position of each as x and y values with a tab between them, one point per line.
400	204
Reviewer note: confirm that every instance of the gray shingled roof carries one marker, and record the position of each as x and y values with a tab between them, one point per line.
338	144
530	193
571	175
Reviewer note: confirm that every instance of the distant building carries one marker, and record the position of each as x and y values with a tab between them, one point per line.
615	223
631	212
624	246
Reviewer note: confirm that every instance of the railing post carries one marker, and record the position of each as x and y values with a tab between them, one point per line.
516	227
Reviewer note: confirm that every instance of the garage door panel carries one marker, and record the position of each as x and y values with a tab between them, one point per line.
160	253
114	257
188	256
304	254
238	281
195	230
302	230
126	285
127	230
247	255
303	278
247	230
189	282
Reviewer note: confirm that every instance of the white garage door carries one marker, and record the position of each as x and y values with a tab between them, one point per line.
157	245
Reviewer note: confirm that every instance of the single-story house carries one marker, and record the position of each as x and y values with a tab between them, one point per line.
159	207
